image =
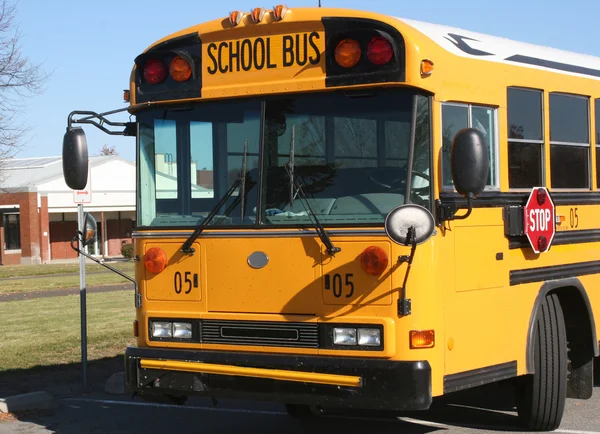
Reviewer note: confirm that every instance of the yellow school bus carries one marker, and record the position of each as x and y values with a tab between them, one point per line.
346	209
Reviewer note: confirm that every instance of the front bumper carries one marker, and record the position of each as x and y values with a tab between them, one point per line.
316	380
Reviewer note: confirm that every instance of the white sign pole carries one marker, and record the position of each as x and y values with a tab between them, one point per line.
82	300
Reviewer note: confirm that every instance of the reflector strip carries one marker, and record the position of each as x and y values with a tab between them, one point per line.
274	374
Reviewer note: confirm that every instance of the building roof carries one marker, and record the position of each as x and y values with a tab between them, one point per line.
29	173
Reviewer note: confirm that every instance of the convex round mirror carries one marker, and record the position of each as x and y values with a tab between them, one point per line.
402	218
89	229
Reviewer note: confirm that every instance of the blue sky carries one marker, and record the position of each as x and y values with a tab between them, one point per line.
89	46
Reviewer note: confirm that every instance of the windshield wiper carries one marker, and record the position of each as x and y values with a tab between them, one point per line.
239	182
295	183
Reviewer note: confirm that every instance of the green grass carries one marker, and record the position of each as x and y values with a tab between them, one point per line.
27	278
51	269
46	331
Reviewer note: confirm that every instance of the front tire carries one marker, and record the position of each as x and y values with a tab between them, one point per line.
541	396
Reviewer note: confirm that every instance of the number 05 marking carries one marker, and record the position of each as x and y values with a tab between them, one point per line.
178	282
338	286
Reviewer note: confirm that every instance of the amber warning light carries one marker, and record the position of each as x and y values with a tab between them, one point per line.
374	260
422	339
155	260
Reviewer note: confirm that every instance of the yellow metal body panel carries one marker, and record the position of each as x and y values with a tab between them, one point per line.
459	283
273	374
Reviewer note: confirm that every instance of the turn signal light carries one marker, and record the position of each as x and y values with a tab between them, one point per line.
374	260
380	51
279	12
136	330
422	339
180	69
155	260
126	95
257	14
235	17
155	71
347	53
426	67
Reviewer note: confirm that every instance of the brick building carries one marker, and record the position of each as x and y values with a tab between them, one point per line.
38	211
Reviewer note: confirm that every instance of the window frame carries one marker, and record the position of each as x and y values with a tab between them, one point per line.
596	139
5	221
496	147
590	166
541	143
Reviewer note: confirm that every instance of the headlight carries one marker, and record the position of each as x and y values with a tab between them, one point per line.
363	337
344	336
161	329
369	337
174	329
182	330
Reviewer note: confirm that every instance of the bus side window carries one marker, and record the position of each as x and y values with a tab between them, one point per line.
569	141
525	138
458	116
597	110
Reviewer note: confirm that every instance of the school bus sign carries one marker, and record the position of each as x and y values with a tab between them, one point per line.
539	218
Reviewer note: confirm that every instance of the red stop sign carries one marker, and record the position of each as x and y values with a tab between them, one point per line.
539	220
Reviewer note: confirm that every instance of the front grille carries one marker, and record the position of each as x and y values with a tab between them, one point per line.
265	333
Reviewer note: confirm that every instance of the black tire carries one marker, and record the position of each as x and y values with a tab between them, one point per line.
541	396
298	410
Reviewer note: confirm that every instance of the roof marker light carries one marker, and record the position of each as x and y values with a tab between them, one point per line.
426	67
279	12
257	15
235	17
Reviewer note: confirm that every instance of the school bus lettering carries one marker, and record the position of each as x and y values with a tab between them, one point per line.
258	54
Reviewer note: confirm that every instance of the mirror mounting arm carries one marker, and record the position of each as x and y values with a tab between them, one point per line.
470	197
75	246
404	304
448	211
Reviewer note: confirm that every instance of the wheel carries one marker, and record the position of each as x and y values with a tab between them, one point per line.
298	410
541	396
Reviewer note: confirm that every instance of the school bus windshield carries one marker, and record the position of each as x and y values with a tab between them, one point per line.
191	155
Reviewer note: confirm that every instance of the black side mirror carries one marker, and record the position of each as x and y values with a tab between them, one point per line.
89	230
469	164
75	158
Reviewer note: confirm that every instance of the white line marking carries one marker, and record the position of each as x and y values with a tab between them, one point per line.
570	431
425	422
279	413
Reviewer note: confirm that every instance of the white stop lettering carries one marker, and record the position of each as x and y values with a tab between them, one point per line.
539	220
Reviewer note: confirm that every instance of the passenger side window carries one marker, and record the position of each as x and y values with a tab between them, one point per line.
525	138
458	116
569	141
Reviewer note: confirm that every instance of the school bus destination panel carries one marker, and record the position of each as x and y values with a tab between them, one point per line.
264	53
300	53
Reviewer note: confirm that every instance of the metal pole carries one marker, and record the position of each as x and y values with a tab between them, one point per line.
82	301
